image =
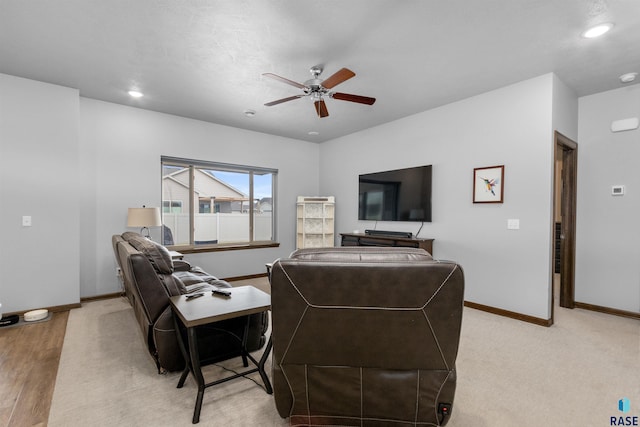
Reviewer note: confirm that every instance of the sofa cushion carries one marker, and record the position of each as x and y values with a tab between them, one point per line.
198	276
157	254
173	285
128	235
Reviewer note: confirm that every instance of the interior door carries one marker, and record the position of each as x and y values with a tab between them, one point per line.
567	154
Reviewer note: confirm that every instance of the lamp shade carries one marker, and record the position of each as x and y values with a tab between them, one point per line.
144	217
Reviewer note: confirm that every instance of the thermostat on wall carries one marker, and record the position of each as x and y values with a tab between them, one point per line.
617	190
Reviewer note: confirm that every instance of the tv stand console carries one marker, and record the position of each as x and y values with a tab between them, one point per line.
361	239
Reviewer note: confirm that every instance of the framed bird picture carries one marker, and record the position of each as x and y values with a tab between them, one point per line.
488	184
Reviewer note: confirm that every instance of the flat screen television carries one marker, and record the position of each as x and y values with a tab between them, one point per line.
396	195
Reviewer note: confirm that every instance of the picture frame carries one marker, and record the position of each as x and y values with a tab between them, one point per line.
488	184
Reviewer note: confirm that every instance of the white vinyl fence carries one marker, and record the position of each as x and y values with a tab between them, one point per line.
223	227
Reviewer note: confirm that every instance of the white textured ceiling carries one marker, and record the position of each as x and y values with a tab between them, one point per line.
204	59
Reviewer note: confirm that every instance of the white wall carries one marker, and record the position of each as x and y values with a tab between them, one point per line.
608	227
565	121
120	149
39	265
75	165
565	110
512	126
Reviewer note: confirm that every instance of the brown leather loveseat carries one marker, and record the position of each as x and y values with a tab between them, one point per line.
150	277
365	336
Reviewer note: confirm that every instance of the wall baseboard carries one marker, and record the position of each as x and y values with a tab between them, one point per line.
607	310
493	310
511	314
249	276
101	297
122	294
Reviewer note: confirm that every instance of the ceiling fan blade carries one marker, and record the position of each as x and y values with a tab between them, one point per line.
337	78
280	101
321	108
353	98
283	80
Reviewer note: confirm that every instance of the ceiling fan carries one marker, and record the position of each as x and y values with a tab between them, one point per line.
318	88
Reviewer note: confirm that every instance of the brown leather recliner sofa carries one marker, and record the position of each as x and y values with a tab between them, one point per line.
365	336
150	277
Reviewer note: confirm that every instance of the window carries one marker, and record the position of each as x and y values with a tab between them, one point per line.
172	206
205	207
211	205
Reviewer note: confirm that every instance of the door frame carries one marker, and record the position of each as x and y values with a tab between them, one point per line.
567	149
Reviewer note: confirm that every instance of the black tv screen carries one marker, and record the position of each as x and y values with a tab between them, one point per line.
396	195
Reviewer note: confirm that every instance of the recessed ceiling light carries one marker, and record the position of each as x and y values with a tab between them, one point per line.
249	113
597	31
135	94
628	77
313	133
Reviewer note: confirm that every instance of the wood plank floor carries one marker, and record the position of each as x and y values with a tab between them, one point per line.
29	358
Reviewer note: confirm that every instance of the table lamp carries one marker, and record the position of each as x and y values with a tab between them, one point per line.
144	217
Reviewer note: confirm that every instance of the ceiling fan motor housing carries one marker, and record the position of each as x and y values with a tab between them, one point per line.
314	85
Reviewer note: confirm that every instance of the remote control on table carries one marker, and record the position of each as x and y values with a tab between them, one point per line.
222	292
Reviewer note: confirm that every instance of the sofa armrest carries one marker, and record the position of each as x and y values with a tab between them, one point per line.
181	265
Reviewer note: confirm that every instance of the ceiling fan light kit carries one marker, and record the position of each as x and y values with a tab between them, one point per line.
317	89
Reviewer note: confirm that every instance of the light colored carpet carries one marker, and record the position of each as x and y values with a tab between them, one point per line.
510	373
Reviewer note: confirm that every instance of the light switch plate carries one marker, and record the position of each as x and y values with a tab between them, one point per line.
26	221
513	224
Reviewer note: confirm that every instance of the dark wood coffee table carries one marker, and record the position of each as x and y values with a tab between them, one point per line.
244	300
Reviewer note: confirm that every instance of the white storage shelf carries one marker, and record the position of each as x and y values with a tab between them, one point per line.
315	222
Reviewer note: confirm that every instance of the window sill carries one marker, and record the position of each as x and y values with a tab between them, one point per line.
192	249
